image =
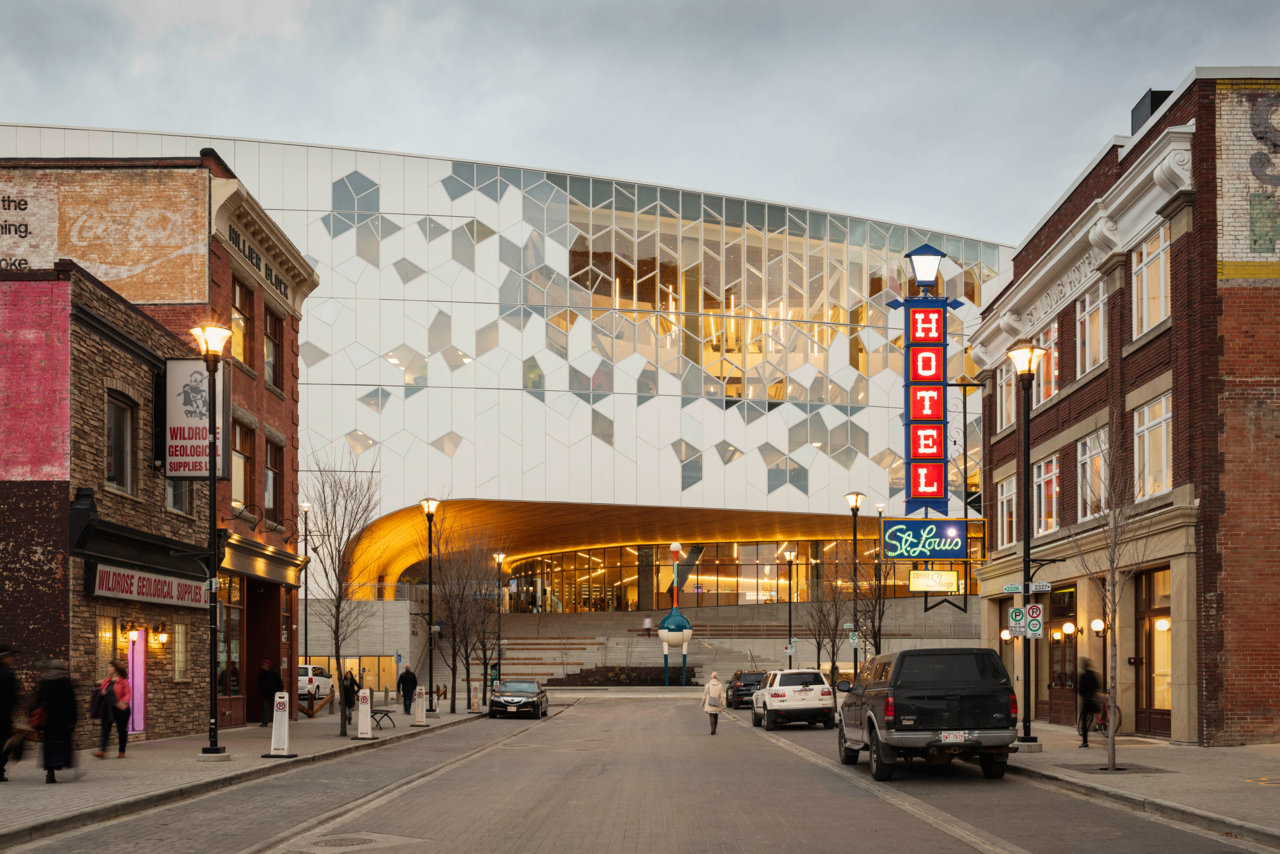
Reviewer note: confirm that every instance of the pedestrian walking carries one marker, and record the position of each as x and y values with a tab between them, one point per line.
647	624
8	702
269	684
350	687
116	697
406	685
713	699
55	714
1087	688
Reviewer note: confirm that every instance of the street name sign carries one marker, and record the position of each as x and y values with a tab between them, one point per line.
1012	588
1041	587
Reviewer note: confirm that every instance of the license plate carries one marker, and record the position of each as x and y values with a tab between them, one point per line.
513	708
950	737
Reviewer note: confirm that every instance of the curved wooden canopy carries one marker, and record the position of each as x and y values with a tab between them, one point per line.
398	540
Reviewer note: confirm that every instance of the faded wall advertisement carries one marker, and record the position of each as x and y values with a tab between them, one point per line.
142	232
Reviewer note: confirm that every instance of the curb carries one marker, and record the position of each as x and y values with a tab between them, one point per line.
168	796
1236	828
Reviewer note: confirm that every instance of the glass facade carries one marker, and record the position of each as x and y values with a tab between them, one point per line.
639	577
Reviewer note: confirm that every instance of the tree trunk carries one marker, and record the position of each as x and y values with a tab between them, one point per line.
1113	698
466	679
337	671
453	678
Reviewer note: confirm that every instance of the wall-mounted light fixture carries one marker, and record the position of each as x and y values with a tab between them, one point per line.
161	633
1068	628
130	628
239	509
1098	626
1006	636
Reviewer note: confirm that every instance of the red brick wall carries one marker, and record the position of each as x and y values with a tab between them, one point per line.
35	326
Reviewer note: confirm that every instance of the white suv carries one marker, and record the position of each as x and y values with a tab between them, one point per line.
314	680
793	695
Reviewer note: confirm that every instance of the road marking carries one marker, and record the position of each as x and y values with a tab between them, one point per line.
289	839
952	826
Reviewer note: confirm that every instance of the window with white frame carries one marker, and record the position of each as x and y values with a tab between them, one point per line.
1151	281
1091	329
1006	493
121	416
1153	448
1046	381
1091	479
1005	397
1044	478
180	650
179	496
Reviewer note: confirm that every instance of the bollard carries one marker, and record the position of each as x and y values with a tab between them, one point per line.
364	716
280	730
420	707
386	699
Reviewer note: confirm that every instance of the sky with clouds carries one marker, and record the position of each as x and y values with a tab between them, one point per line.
969	117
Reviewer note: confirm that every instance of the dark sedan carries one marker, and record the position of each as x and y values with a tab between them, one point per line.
741	686
519	697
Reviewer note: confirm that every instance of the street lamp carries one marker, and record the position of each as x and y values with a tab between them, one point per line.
855	503
925	260
499	558
429	506
1025	356
305	507
790	556
211	338
676	549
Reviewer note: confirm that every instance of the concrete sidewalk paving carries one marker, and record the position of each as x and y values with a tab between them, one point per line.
167	770
1232	790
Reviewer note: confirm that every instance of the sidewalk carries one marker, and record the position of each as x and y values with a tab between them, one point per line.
167	770
1233	790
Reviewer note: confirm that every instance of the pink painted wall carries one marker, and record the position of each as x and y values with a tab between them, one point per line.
35	385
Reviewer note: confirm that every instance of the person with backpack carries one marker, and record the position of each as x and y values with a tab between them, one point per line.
713	699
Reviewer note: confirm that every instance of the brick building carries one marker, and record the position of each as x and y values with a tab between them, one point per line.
183	242
1154	430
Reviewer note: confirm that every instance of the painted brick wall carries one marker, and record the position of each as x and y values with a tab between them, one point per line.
35	319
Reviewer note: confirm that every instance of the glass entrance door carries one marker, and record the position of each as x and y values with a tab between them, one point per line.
1155	659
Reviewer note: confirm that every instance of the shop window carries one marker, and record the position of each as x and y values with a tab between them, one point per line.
1091	329
241	463
1092	453
1006	398
1045	385
1151	281
1152	448
1006	493
272	337
121	417
179	496
241	322
273	482
180	639
230	636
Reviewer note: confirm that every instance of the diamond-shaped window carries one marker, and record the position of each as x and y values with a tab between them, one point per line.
448	444
602	427
375	399
684	450
727	451
455	358
360	441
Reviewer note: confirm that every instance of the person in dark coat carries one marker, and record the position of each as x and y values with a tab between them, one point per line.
56	700
1087	687
8	702
406	685
350	687
269	684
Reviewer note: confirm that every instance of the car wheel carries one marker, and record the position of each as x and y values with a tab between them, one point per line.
755	718
770	719
847	756
492	713
828	723
880	770
993	765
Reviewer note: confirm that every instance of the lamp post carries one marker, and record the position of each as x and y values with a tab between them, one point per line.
429	506
1025	356
305	507
499	558
790	556
211	338
676	549
855	503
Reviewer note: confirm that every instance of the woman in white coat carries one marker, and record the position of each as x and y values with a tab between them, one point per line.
713	699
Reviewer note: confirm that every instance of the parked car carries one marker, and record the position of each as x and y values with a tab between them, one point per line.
787	696
519	696
938	704
741	686
314	680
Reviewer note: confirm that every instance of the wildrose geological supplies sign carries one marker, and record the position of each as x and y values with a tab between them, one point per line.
115	582
186	429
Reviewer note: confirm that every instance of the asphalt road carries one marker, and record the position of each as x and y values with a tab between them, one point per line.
632	776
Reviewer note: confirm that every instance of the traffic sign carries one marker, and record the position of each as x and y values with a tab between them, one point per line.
1017	622
789	649
1041	587
1035	612
853	637
1013	588
1035	628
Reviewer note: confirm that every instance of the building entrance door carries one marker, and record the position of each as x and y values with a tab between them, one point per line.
1062	676
1155	654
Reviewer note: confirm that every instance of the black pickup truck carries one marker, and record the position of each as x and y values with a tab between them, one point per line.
938	704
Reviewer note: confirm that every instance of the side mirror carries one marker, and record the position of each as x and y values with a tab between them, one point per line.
843	685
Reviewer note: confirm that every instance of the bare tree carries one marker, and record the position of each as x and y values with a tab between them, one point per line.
1111	546
344	502
869	603
829	609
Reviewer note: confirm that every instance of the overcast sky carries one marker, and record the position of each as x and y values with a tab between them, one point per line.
966	117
